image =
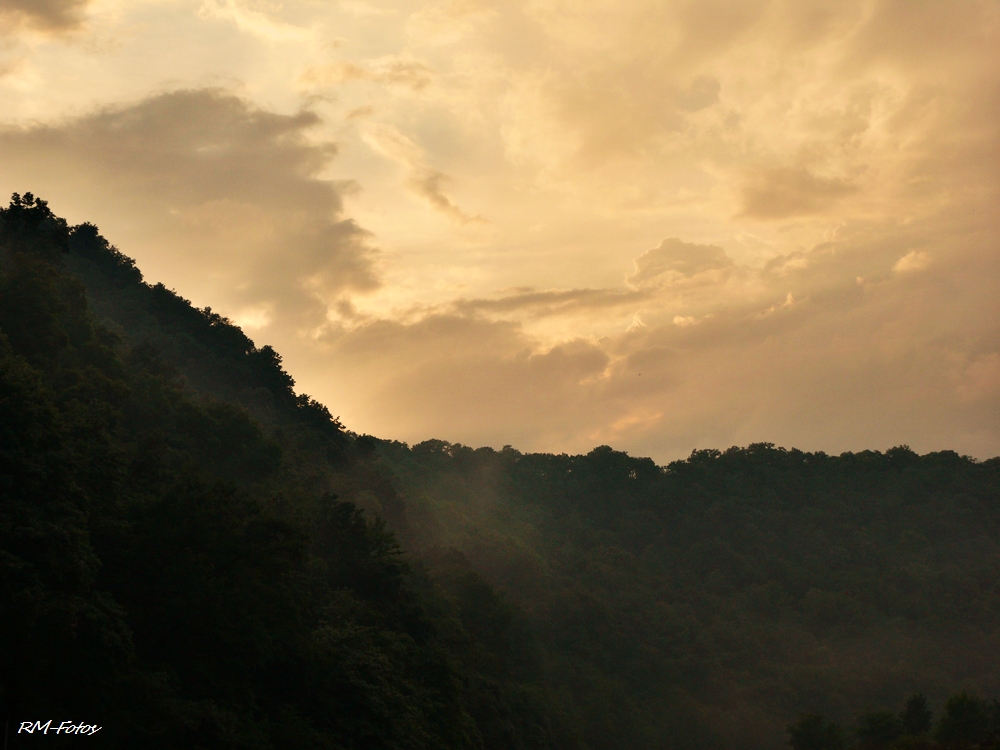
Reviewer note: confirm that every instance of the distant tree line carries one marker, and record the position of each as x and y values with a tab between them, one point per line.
967	721
707	603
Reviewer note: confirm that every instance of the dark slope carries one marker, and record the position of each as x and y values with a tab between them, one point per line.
214	358
184	559
734	590
171	571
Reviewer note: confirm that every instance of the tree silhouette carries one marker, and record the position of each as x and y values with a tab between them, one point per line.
879	728
916	715
813	732
965	721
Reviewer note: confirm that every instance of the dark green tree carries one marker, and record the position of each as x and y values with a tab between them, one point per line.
813	732
965	721
916	716
879	728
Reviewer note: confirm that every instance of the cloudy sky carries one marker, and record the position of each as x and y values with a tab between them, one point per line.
552	223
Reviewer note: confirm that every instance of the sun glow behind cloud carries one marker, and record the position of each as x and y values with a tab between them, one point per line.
553	224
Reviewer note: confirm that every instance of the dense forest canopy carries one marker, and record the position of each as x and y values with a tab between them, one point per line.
193	554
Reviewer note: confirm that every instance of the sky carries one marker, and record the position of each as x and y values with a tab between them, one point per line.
552	224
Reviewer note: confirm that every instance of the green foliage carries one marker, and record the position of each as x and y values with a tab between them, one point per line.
813	732
29	226
879	729
152	574
916	716
194	555
751	583
965	721
116	267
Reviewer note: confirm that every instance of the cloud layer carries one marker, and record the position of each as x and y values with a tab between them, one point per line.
214	195
555	224
49	16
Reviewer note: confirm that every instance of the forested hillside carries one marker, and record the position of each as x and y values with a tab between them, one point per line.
194	555
709	602
179	571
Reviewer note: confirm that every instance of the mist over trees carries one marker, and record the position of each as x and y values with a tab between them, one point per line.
193	554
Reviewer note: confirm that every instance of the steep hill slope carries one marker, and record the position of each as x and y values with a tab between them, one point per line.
176	570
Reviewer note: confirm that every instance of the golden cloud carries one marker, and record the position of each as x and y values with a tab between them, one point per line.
779	193
47	16
674	258
826	173
211	193
422	179
412	74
